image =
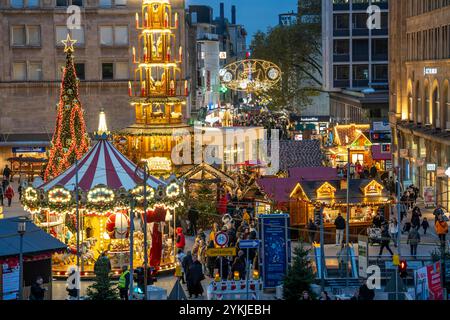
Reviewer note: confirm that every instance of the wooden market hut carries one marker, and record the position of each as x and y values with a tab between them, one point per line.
366	197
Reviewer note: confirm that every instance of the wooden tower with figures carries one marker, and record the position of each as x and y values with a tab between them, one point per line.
158	91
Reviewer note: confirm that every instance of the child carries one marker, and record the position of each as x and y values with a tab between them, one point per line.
425	225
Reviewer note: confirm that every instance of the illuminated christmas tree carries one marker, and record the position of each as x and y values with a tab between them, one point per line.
69	140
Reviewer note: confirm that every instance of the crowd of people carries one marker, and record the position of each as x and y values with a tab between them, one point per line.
359	170
196	265
268	120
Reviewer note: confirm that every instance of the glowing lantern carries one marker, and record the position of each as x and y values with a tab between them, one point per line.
137	21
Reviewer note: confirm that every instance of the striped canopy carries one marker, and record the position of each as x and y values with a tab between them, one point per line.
103	164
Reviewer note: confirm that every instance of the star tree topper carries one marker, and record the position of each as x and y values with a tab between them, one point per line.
68	44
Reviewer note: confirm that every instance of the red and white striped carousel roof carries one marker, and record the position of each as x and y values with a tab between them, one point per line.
103	164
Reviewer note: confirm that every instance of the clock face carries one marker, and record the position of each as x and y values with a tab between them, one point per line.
227	77
273	74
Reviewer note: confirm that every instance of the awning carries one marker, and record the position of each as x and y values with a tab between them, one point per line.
378	154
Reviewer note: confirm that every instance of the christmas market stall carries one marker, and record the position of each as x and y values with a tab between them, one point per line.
109	187
355	138
366	197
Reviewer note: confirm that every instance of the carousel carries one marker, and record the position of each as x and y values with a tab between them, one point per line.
104	189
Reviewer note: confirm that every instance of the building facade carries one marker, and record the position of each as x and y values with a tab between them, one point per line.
32	56
419	98
355	59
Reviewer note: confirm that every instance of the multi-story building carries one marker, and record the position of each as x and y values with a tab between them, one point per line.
355	59
212	44
32	56
419	98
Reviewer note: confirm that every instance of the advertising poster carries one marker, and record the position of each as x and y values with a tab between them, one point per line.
9	282
429	196
428	282
363	259
274	255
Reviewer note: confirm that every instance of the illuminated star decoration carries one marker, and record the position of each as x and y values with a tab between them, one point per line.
68	44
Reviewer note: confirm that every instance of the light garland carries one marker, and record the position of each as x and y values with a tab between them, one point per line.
30	194
173	190
101	195
59	195
138	193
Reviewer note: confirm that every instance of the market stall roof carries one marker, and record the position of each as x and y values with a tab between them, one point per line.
35	240
306	153
277	189
27	159
347	134
314	173
360	191
205	172
103	164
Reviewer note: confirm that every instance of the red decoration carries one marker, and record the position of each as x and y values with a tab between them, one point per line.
157	215
156	250
118	225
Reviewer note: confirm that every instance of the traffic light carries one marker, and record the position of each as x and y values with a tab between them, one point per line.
402	269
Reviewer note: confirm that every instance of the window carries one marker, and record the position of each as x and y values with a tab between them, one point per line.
19	71
23	71
77	34
79	69
106	36
360	50
17	3
359	21
360	72
122	71
109	3
107	71
26	36
380	72
117	35
66	3
341	73
341	22
33	3
341	47
380	49
35	71
18	36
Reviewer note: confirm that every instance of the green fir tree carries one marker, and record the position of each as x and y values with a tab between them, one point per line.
300	275
102	288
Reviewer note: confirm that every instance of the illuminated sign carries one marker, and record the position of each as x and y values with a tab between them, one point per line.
428	70
431	166
373	189
159	164
222	55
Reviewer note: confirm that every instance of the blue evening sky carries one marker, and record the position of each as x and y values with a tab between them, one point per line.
253	14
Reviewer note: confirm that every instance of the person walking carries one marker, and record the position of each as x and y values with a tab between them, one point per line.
9	194
425	225
385	240
194	279
187	262
312	230
193	217
124	283
201	255
7	173
378	220
415	217
180	257
37	290
413	241
441	229
181	239
239	265
373	171
352	170
340	227
393	230
438	212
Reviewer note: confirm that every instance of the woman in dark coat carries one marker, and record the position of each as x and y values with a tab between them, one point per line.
37	289
194	279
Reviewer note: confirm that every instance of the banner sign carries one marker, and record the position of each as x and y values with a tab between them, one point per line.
363	255
428	282
275	253
28	149
221	252
429	196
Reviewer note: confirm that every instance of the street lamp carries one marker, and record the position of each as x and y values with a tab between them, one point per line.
21	229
